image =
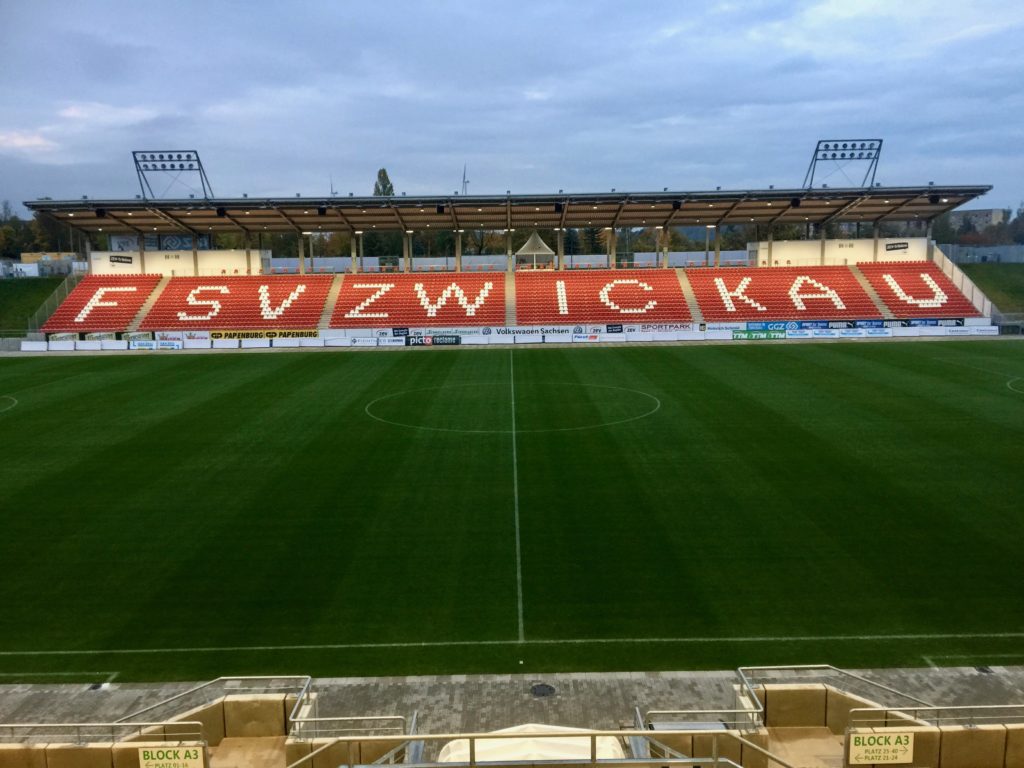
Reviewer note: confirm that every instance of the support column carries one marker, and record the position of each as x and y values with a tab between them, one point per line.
929	241
771	241
88	253
560	246
458	250
142	252
302	254
718	246
821	227
510	266
874	248
707	244
613	248
195	255
407	252
248	253
353	252
663	237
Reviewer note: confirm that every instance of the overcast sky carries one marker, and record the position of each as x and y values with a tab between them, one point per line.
279	97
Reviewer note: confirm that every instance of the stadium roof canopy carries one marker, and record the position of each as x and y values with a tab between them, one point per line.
499	212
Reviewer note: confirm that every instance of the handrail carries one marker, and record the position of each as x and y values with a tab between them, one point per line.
749	672
958	714
744	717
591	736
195	732
220	681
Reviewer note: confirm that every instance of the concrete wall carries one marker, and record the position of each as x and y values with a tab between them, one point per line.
793	705
175	263
803	253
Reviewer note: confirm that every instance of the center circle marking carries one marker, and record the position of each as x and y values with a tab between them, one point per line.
654	401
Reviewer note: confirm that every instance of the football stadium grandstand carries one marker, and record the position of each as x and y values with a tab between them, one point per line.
554	511
817	287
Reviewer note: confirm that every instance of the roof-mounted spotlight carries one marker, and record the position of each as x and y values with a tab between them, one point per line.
795	202
222	212
321	211
101	213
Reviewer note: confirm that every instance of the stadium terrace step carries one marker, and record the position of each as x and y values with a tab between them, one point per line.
870	291
780	293
600	296
237	303
510	298
420	300
332	300
134	325
917	289
102	303
691	297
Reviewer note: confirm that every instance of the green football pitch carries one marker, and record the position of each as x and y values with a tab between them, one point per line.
176	516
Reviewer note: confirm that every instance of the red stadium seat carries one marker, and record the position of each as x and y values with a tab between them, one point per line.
600	296
917	289
420	300
240	303
102	303
780	293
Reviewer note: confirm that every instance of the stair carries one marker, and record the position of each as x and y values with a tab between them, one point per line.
510	298
871	292
332	299
153	297
690	296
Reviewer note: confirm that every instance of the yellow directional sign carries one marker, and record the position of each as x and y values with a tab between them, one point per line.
171	757
881	747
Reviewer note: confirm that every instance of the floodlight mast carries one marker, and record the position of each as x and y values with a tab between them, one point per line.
177	162
843	152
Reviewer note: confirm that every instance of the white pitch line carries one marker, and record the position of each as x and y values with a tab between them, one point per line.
580	641
110	676
13	404
515	496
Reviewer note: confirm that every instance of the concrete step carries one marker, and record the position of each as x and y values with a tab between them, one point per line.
510	298
153	297
870	290
332	299
691	297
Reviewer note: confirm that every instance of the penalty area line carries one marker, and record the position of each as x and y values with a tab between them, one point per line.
551	642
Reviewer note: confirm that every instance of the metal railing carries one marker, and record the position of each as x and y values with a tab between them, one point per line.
747	713
969	715
963	283
208	693
54	300
719	745
840	679
83	733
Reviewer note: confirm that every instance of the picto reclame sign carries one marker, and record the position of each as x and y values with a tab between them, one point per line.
888	748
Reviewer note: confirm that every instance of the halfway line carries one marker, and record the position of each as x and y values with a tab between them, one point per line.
515	495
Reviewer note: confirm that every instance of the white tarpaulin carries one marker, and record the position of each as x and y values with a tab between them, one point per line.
522	746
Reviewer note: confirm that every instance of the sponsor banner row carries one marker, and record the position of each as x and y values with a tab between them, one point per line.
436	340
800	325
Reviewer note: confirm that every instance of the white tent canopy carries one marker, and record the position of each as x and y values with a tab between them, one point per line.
535	246
524	743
